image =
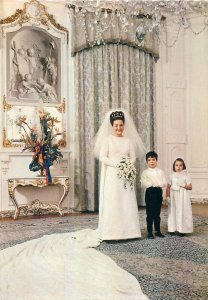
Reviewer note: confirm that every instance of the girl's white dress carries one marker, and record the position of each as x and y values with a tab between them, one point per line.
179	210
64	267
118	210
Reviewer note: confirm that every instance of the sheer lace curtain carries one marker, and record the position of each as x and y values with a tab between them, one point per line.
110	76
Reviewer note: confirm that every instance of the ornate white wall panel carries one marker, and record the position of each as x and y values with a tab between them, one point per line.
173	60
199	193
182	94
197	111
171	85
198	143
197	104
176	116
174	151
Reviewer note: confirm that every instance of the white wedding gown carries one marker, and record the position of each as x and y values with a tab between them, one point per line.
64	266
118	209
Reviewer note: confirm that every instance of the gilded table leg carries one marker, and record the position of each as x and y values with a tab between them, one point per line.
65	192
11	189
17	210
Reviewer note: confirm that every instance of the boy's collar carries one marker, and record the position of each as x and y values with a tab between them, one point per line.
152	168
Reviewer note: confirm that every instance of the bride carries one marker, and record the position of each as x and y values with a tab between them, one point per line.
65	266
117	145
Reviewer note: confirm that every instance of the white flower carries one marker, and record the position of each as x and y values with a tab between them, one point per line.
126	171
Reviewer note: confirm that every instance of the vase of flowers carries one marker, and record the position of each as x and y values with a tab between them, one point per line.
41	141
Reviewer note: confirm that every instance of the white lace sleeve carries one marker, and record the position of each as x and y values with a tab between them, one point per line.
104	154
132	153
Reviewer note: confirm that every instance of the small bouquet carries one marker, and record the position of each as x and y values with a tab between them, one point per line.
127	172
166	201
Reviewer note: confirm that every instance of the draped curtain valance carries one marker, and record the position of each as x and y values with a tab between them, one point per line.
90	29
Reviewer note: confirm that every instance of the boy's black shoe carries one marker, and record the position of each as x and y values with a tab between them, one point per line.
159	234
150	236
181	234
172	233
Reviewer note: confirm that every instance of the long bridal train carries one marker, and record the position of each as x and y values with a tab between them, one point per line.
64	266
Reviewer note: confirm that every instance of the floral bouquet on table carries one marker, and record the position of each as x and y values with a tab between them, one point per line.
42	142
127	172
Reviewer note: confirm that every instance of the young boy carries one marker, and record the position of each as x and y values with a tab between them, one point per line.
153	179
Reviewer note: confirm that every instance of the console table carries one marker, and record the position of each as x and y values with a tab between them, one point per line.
39	182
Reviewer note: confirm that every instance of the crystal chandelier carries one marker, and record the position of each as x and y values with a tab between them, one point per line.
150	15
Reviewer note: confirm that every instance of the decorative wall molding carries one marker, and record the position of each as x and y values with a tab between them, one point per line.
6	106
199	200
34	13
7	143
62	107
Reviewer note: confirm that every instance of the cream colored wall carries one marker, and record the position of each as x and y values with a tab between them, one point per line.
182	106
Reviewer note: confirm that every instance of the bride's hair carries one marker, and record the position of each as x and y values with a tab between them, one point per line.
130	132
116	115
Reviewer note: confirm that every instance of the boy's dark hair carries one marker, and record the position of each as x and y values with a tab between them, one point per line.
151	154
181	160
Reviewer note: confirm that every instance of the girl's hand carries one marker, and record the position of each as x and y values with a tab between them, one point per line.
168	191
188	186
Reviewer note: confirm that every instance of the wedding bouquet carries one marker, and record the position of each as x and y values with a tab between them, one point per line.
127	172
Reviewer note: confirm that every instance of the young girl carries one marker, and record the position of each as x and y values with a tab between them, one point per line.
179	211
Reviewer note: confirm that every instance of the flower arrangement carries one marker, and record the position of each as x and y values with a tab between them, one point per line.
41	141
127	172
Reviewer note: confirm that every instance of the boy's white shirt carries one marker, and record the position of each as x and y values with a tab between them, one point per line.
153	177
